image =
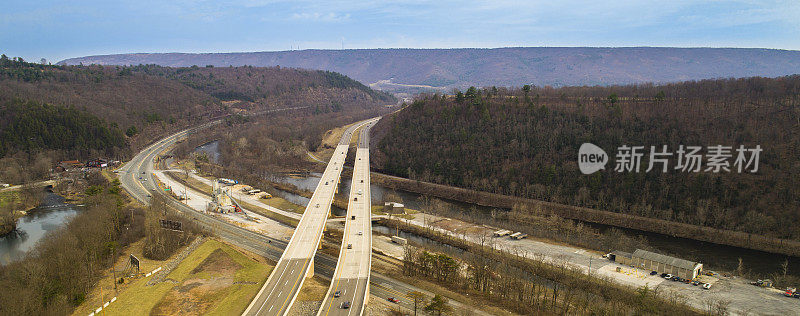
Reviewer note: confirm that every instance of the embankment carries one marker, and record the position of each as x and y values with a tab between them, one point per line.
675	229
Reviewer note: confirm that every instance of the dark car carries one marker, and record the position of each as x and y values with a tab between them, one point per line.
653	273
393	300
345	305
695	283
663	275
676	278
796	295
337	294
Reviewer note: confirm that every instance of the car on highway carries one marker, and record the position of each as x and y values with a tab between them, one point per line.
345	305
337	294
349	246
393	300
360	233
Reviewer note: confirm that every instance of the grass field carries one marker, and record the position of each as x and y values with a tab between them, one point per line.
215	279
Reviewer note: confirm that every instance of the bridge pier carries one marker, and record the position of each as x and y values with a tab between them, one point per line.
310	273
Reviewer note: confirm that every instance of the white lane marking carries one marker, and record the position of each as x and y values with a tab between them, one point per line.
270	292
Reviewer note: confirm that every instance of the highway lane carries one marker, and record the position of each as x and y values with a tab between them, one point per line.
284	283
142	165
351	278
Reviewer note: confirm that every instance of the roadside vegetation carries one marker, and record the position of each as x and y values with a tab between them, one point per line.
527	285
523	143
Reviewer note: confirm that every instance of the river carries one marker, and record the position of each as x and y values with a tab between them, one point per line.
51	215
713	256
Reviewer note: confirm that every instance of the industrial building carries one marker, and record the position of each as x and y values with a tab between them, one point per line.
652	261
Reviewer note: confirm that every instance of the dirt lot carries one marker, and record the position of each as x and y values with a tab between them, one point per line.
215	279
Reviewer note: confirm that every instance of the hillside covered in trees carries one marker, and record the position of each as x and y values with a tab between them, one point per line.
25	126
81	112
151	98
524	142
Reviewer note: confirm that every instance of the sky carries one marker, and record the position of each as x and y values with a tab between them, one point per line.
56	30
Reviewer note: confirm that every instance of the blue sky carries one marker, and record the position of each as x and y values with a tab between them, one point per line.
61	29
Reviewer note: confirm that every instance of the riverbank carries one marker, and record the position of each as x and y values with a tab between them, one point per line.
13	206
674	229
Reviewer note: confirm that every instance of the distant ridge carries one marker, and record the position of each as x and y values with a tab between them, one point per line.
462	67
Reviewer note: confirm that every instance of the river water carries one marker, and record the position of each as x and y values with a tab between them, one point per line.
51	215
211	150
713	256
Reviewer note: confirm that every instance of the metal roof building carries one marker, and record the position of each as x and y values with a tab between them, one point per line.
652	261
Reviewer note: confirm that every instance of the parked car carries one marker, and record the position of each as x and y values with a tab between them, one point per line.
676	278
707	286
393	300
360	233
668	276
345	305
695	283
664	275
653	273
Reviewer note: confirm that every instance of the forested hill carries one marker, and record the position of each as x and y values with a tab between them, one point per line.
147	102
525	143
25	126
463	67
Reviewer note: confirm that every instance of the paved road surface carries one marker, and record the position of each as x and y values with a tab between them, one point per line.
351	278
141	165
284	283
